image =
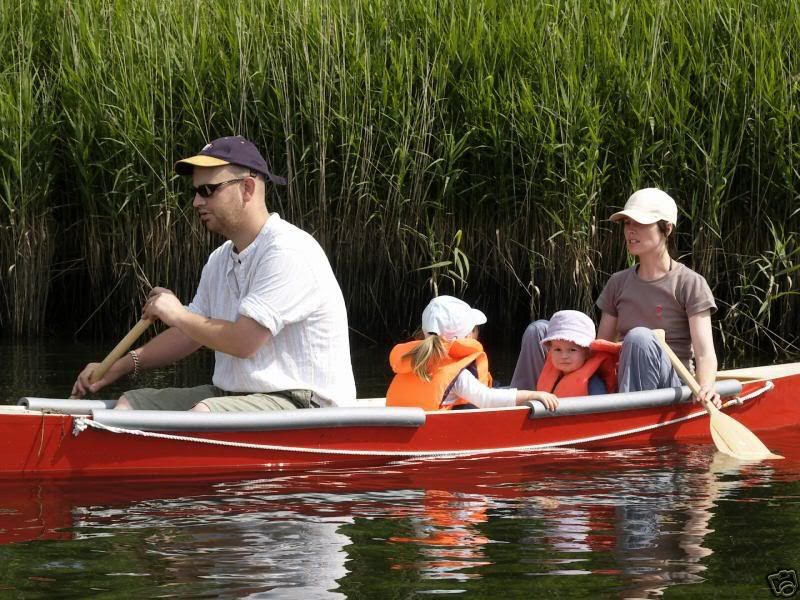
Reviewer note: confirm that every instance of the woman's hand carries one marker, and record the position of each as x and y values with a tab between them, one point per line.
705	357
707	394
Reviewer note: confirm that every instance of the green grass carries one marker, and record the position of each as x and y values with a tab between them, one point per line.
469	147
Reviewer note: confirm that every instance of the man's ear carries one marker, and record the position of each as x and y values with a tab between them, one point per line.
249	188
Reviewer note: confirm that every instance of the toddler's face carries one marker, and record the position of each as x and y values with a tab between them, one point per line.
567	356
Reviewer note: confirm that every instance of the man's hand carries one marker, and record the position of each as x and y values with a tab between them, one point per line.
163	305
83	386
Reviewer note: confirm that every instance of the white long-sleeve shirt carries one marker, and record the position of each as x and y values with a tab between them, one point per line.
468	386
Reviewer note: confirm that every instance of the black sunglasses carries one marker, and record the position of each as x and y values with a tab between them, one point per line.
209	189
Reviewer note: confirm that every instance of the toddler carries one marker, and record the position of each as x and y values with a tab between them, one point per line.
577	364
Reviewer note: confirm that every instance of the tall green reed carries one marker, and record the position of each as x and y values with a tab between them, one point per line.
27	113
473	148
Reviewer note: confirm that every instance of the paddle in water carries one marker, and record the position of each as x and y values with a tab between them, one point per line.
730	436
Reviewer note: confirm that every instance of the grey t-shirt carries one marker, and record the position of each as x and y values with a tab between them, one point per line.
665	303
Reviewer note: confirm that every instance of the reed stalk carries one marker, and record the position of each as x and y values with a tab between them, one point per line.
433	146
27	108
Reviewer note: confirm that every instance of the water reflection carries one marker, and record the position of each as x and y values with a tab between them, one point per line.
302	558
627	524
446	533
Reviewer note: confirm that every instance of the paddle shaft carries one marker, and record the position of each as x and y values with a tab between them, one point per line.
681	369
120	349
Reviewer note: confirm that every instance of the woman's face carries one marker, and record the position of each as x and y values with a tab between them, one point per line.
643	239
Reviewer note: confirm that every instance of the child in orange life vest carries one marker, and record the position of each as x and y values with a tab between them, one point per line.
577	364
448	369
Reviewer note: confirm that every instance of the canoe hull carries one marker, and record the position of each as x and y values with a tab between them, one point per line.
34	444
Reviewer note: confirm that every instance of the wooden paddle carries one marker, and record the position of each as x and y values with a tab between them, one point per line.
730	436
120	349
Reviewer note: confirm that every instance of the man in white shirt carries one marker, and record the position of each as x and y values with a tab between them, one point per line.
268	304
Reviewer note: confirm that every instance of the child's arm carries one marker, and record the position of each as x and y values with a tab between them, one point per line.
468	387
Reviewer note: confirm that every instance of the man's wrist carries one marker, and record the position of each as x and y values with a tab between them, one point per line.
134	373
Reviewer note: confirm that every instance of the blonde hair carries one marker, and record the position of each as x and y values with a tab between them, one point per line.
430	350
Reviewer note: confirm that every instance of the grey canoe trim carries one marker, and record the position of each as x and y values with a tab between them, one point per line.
309	418
157	420
64	406
602	403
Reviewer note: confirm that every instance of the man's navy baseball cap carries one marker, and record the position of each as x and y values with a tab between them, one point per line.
231	150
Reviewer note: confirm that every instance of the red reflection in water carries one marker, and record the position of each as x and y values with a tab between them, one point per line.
35	510
573	499
447	532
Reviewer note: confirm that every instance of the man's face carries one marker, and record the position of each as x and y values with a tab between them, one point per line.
218	197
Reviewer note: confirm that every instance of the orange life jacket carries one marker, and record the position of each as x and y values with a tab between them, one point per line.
407	389
602	361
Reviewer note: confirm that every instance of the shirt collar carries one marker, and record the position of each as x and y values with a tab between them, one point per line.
242	256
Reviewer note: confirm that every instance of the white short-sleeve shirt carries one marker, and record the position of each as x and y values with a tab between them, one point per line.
283	281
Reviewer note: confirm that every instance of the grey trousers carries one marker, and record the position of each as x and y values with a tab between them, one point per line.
643	365
530	362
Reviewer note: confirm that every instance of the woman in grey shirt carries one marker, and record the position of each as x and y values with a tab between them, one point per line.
656	293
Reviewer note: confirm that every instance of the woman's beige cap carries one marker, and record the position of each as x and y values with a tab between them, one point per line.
649	205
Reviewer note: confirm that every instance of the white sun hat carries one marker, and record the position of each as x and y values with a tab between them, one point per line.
450	318
649	205
571	326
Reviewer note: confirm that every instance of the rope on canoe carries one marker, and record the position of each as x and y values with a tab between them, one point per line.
82	423
739	400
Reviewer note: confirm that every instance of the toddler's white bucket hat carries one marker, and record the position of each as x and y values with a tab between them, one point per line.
571	326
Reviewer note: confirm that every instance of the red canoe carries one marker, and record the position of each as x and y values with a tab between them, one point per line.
62	439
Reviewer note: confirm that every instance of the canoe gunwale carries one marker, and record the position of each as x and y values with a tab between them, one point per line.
605	403
149	420
83	423
64	406
317	418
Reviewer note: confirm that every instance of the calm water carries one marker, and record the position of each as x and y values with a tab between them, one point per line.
673	521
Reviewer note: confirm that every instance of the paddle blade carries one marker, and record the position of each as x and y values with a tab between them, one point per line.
733	438
730	436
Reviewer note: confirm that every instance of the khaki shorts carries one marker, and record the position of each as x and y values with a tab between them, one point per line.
218	400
